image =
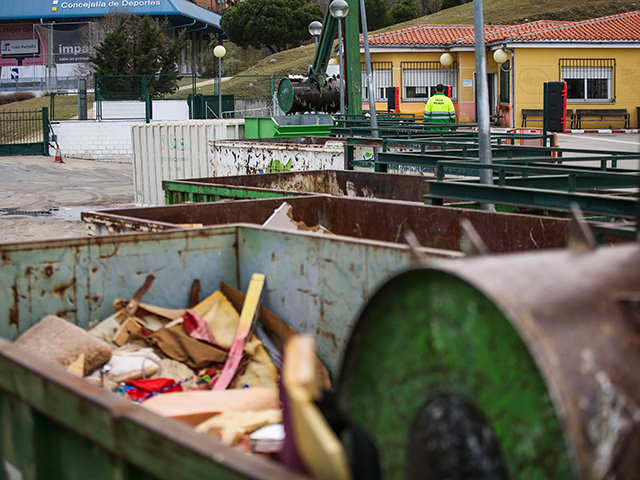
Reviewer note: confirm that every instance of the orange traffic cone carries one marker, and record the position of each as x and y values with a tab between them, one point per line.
58	156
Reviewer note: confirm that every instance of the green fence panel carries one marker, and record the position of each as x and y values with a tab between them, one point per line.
24	132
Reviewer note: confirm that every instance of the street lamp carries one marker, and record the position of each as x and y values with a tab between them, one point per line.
315	29
446	59
219	52
339	9
501	57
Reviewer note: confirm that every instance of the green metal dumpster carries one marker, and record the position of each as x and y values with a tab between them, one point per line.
53	425
288	126
389	186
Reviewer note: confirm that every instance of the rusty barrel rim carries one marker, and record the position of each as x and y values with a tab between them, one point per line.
426	333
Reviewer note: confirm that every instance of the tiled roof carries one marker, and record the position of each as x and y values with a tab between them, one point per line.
624	27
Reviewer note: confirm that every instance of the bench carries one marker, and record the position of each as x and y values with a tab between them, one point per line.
603	115
526	114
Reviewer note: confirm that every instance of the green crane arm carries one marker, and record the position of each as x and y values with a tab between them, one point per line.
323	52
353	79
317	93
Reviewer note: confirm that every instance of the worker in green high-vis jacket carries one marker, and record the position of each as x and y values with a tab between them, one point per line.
439	108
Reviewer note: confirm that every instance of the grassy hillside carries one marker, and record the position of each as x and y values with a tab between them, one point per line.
496	12
511	12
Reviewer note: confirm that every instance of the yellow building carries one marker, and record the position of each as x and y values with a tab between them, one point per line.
599	60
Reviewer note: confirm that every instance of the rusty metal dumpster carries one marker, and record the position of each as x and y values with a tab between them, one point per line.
384	220
268	185
53	425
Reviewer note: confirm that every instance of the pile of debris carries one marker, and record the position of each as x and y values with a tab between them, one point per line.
217	366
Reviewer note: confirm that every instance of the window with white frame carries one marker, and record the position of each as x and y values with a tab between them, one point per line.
589	79
419	80
382	73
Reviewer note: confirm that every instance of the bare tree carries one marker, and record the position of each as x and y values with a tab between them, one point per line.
93	34
430	6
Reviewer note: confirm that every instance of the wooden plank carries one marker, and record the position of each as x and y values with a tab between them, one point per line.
277	329
197	406
602	112
249	309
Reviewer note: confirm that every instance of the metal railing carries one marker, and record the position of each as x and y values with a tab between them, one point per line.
24	132
65	105
20	126
38	84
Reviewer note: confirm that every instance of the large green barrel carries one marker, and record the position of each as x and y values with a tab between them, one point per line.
533	358
302	95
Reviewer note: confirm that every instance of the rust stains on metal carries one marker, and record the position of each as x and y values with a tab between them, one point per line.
328	335
61	290
616	419
566	307
14	318
64	313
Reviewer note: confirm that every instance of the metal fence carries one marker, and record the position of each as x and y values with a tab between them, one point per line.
252	95
38	84
66	106
24	132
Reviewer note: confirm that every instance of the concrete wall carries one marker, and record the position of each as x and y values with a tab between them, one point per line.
103	141
110	140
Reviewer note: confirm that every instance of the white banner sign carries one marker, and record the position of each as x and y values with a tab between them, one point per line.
11	48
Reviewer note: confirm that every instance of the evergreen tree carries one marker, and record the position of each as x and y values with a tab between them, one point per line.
403	11
274	24
138	46
377	14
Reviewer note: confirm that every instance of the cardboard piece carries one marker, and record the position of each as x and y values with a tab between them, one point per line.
194	407
277	329
60	342
77	366
283	218
231	426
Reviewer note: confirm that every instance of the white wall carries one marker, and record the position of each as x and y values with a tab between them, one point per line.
102	141
110	140
162	110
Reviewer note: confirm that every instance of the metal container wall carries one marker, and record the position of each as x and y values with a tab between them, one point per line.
384	220
315	282
268	185
174	150
544	345
250	157
54	423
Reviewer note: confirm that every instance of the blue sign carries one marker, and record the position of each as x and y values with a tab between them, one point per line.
14	74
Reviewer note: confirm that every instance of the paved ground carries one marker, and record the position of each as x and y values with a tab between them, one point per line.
32	187
626	142
42	200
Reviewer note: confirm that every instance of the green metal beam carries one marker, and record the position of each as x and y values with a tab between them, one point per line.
352	66
572	183
606	205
